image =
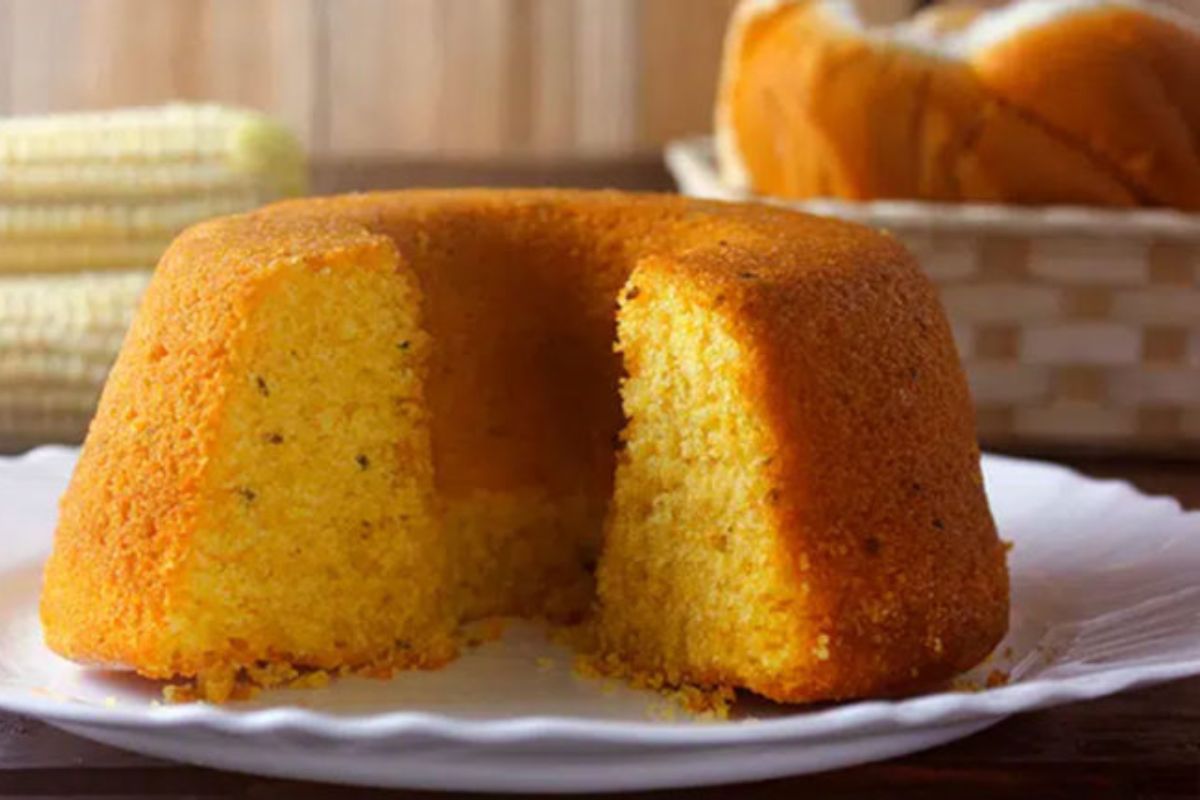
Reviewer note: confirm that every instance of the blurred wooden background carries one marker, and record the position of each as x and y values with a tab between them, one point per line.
403	79
446	78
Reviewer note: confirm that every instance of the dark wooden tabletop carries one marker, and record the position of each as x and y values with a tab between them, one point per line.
1142	744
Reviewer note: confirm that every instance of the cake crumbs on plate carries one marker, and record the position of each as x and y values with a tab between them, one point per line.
996	678
699	702
317	679
965	684
489	629
972	684
180	693
247	682
702	703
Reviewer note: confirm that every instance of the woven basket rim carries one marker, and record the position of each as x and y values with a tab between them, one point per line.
692	162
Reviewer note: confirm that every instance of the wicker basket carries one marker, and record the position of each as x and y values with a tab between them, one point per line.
1079	328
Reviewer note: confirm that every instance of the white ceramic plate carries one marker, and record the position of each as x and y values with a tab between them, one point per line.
1105	597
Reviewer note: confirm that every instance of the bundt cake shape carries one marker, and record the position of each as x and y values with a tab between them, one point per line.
341	427
1071	101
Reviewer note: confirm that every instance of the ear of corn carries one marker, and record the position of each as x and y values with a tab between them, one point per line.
64	255
58	336
87	182
166	150
124	221
110	189
88	204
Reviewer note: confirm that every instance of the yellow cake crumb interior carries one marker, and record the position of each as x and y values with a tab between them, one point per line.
690	517
319	534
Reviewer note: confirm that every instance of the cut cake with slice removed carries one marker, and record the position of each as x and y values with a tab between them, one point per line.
341	427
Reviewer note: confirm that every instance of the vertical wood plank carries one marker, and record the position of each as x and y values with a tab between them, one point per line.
38	83
606	76
681	42
264	54
554	63
473	90
517	110
6	55
77	54
382	80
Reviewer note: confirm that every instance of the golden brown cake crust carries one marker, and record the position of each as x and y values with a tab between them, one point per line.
881	501
1092	106
1121	82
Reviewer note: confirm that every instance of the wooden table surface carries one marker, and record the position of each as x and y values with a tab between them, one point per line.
1143	744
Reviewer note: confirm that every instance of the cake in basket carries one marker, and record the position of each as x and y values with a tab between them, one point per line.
1085	102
